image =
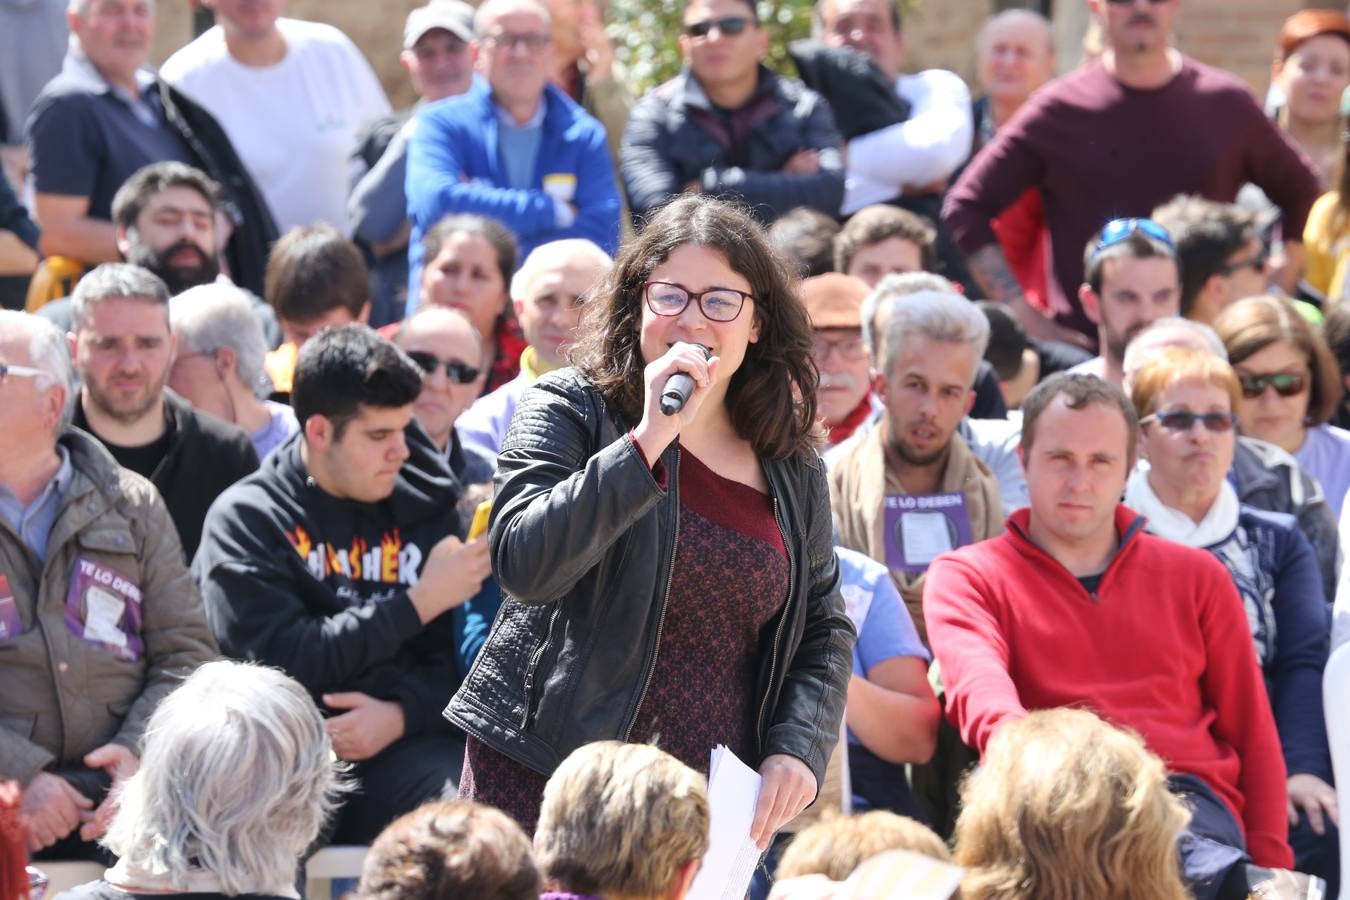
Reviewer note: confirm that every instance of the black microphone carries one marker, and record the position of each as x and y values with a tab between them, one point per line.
678	388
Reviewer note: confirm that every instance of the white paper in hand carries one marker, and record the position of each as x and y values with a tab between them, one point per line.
729	864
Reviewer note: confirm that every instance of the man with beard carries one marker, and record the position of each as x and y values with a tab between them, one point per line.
911	488
844	396
123	350
167	218
1131	280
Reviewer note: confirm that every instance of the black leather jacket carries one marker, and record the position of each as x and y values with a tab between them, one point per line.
583	544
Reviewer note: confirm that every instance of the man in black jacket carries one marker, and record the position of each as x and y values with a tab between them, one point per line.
338	562
727	125
123	350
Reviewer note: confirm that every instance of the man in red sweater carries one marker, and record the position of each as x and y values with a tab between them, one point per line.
1116	138
1074	605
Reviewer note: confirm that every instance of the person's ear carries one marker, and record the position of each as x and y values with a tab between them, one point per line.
318	432
684	879
227	361
364	315
406	58
1092	307
879	385
124	238
970	402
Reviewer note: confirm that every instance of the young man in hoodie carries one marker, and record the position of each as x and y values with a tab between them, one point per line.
339	562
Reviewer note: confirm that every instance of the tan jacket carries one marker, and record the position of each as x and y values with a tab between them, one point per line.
858	490
62	695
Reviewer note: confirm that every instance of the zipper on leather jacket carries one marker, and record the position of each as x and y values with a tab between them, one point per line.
534	665
665	597
782	621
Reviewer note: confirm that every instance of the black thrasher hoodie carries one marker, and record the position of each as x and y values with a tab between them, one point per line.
296	578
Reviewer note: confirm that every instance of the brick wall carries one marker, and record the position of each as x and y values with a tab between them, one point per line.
1238	35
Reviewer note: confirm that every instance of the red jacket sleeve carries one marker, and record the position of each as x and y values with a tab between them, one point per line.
1236	691
972	654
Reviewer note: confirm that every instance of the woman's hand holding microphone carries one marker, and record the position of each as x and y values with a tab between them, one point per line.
656	430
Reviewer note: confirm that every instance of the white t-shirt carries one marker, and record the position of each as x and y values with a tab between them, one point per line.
294	124
924	148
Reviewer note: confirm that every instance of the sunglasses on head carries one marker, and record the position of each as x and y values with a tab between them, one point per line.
728	25
1182	420
1118	230
1286	384
458	372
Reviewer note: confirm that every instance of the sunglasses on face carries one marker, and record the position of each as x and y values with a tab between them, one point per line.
1257	263
728	25
1181	420
1286	384
1118	230
458	372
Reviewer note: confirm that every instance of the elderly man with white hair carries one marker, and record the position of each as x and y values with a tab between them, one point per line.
547	292
219	364
98	617
189	825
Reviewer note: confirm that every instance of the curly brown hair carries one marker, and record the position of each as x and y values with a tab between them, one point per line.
772	396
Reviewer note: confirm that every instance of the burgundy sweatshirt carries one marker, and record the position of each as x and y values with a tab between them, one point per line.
1098	150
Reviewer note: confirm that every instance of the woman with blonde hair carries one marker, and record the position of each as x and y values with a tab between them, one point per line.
1065	807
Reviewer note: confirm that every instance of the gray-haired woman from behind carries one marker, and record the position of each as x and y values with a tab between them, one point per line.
236	779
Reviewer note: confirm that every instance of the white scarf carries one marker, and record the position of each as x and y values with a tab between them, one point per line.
1164	521
133	879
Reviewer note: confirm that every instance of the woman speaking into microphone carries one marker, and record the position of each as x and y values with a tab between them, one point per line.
667	578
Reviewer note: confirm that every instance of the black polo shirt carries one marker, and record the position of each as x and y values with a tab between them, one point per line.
87	137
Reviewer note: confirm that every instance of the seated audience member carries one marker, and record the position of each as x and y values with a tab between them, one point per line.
316	279
166	218
124	347
292	94
104	118
908	162
338	561
728	125
98	618
515	147
448	351
18	247
1291	387
1131	278
932	348
1336	331
450	850
1266	477
806	236
993	440
621	822
1015	362
1066	807
218	366
1185	496
844	397
436	40
469	264
881	240
1015	55
1310	74
1325	238
836	846
583	58
892	714
546	296
236	781
1148	633
1219	252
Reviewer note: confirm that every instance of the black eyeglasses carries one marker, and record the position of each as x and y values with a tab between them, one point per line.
531	42
1286	384
7	370
728	25
1181	420
717	304
1118	230
1256	263
458	372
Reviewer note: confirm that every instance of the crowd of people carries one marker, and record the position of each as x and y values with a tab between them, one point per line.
452	480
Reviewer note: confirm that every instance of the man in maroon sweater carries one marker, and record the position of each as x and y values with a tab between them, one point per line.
1074	605
1116	138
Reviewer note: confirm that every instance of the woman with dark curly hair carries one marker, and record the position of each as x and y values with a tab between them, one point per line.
668	578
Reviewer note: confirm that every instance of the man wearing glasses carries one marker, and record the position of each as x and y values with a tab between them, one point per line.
1130	281
844	397
98	617
726	125
515	147
1118	137
339	562
1220	251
